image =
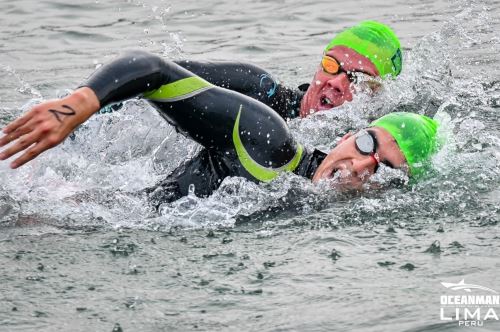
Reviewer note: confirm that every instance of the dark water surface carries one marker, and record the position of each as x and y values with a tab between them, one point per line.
81	251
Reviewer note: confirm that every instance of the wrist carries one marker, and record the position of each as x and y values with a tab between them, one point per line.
85	100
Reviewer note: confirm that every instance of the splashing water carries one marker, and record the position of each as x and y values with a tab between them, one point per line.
86	250
98	173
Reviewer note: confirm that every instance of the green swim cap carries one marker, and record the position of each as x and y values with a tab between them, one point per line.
415	135
377	42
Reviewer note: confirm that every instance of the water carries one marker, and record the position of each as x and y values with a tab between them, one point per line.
81	250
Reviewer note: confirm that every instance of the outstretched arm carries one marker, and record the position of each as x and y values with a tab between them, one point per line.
228	123
46	125
49	123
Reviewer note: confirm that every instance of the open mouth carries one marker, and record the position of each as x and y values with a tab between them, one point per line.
333	173
325	101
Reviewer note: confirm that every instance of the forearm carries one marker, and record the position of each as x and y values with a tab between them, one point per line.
250	80
129	76
87	102
237	76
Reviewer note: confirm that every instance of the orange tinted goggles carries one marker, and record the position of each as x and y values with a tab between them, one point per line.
330	65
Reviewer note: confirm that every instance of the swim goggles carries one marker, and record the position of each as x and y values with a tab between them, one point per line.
331	66
366	143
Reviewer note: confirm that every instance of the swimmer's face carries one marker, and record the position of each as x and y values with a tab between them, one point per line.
351	168
326	90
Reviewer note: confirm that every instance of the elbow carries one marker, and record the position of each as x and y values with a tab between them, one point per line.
146	63
141	57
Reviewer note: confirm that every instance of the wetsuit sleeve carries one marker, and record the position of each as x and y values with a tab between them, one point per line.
249	138
128	76
251	81
310	162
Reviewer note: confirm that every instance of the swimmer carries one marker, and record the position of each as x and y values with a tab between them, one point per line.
355	59
240	135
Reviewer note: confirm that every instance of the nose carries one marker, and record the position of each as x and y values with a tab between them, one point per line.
341	85
361	166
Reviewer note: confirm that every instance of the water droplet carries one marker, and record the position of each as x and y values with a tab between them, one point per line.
408	267
334	255
435	248
117	328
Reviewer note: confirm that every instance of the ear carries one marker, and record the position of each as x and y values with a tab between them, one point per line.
345	137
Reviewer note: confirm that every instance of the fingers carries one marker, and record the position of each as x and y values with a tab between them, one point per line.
22	144
46	125
17	123
26	129
32	153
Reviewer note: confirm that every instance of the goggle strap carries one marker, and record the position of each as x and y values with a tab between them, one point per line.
375	158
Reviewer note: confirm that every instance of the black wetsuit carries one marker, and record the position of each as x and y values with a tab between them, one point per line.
228	112
251	81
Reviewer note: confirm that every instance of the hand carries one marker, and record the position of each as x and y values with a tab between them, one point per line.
47	125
